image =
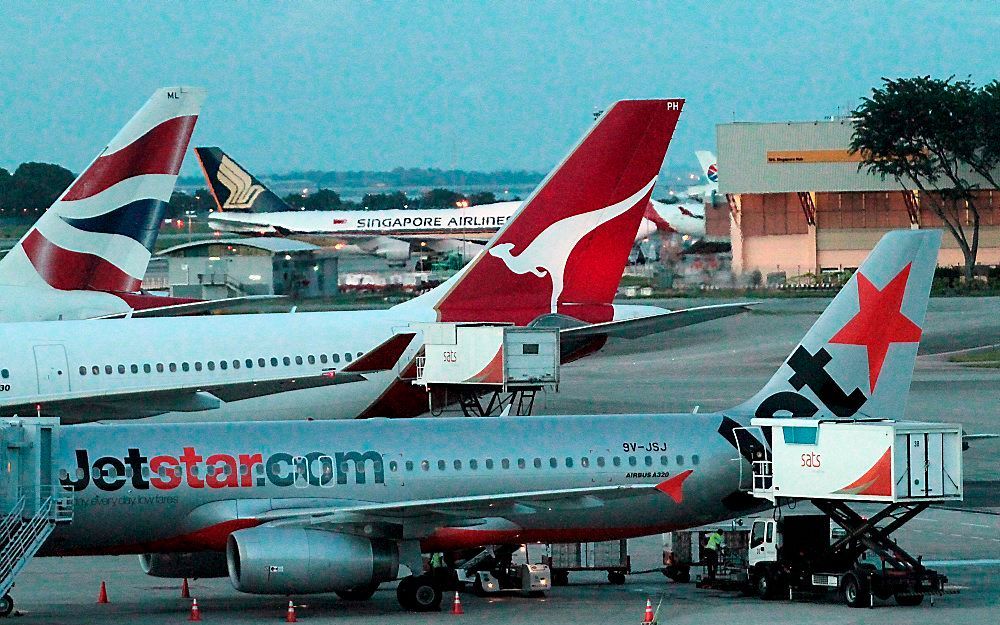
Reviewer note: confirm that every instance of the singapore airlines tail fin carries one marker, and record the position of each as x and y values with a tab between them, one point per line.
565	248
233	187
101	231
857	360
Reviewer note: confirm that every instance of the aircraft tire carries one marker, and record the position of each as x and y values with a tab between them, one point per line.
419	593
6	605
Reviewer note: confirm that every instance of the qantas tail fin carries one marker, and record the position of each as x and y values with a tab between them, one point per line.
101	231
233	187
858	358
709	166
565	248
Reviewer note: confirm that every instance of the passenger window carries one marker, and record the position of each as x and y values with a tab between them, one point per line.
121	369
505	463
757	535
520	463
632	461
680	461
223	365
425	465
663	460
236	364
441	465
584	462
298	360
107	369
311	359
458	465
159	367
96	370
260	363
274	362
553	463
649	461
173	367
185	367
409	465
616	461
335	357
286	360
359	354
538	463
569	463
393	466
695	459
600	461
211	365
489	463
347	357
83	371
323	359
145	368
197	366
4	373
301	471
473	464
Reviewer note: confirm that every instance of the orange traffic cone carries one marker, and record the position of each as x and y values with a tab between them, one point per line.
456	607
648	617
290	617
102	597
185	591
195	612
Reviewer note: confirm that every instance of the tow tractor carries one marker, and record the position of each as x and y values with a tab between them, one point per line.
493	571
898	468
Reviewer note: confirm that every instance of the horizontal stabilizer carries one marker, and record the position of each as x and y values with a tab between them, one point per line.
197	308
656	323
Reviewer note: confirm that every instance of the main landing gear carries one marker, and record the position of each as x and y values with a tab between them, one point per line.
6	605
420	593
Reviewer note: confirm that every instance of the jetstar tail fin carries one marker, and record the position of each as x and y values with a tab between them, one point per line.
101	231
857	360
565	248
233	187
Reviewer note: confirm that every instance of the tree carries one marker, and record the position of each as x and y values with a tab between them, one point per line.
483	197
929	135
385	201
441	198
35	186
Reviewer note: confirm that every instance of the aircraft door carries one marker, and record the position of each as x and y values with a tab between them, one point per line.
52	368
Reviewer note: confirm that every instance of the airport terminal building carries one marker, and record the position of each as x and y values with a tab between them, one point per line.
797	203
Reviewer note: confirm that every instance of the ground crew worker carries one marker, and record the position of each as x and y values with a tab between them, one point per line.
437	560
712	547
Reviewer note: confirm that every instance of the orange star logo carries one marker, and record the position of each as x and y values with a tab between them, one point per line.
879	322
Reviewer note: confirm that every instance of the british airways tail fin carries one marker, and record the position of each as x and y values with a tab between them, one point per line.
709	167
857	360
565	248
101	231
233	187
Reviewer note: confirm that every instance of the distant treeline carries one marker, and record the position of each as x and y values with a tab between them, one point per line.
404	177
33	187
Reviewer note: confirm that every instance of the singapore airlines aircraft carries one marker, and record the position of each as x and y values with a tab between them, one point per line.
391	234
557	262
309	507
87	254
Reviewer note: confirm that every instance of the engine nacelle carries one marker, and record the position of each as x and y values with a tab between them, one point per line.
199	564
277	561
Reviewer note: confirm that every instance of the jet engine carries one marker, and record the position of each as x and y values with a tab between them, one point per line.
276	561
199	564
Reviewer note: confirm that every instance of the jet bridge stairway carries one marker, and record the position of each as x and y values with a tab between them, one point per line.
34	506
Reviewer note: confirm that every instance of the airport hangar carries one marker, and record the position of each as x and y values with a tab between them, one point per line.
216	268
796	203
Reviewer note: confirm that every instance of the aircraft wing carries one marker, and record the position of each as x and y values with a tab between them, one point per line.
148	402
655	323
196	308
443	511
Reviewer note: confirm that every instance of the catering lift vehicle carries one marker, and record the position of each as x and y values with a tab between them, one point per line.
299	507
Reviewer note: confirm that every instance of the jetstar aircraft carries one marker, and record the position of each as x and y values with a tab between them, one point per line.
557	262
391	234
308	507
86	255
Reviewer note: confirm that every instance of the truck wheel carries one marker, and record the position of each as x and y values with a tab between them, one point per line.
418	593
6	605
855	592
679	574
767	585
909	599
616	577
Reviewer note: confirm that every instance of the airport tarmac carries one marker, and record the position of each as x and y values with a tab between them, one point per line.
712	366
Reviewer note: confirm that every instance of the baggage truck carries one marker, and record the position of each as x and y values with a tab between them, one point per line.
609	555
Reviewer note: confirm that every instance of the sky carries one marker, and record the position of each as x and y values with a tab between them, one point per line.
474	85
